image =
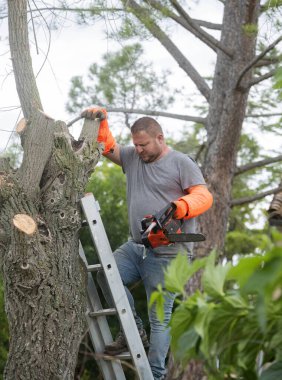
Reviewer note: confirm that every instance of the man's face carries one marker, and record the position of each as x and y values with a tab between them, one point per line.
148	148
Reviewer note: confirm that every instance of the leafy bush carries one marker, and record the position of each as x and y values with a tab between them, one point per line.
234	325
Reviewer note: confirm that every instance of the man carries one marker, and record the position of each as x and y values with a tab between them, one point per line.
156	175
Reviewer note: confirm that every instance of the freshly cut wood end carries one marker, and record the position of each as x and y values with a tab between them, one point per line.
25	224
21	126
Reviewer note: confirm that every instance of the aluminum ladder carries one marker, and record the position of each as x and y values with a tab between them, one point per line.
99	331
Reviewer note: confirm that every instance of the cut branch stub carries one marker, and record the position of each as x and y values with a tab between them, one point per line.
21	126
25	224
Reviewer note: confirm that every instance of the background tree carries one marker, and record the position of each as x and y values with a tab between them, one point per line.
124	81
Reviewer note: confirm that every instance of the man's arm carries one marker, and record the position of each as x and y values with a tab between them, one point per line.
114	155
196	202
111	148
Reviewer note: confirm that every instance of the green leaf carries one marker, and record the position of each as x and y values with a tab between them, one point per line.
244	269
179	272
278	79
157	300
214	276
186	345
181	320
236	301
203	317
274	372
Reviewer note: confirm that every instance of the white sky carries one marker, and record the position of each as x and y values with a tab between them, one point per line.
74	48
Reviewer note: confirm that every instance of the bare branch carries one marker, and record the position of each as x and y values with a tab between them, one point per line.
195	119
21	59
268	61
264	115
261	78
188	23
257	59
205	37
209	25
242	201
258	164
144	17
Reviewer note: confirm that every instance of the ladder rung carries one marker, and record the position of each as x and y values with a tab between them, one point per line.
94	268
122	356
98	313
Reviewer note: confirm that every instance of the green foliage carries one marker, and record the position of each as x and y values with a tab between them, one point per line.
108	185
14	153
250	29
234	320
278	81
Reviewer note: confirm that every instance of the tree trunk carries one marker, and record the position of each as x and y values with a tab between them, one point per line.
40	219
227	110
227	107
44	278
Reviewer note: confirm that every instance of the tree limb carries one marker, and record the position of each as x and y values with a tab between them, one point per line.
242	201
188	23
258	164
21	59
195	119
264	115
207	24
144	17
261	78
37	146
268	61
198	32
257	59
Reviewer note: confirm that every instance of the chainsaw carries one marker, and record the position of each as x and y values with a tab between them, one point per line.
161	229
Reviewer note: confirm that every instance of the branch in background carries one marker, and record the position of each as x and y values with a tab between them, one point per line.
209	25
245	200
195	119
258	164
261	78
145	18
264	115
257	59
268	61
188	23
198	32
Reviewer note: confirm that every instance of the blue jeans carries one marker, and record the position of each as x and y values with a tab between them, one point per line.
134	265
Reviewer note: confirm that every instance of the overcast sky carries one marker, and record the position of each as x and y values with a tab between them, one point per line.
74	48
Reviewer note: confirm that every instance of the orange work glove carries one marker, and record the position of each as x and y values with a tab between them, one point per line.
104	134
196	202
181	209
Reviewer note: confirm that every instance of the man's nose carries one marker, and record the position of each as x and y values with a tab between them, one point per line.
139	149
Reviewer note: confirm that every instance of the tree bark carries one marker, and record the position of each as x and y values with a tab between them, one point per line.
40	218
227	108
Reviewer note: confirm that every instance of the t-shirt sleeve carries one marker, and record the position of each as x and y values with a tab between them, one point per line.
126	156
190	173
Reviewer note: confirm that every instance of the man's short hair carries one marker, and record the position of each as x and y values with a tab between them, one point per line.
147	124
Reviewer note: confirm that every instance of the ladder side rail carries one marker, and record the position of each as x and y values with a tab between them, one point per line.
99	330
106	257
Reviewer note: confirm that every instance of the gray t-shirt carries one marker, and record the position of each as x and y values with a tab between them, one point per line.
151	186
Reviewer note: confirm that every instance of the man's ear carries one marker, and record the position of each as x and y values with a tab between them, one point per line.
160	138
